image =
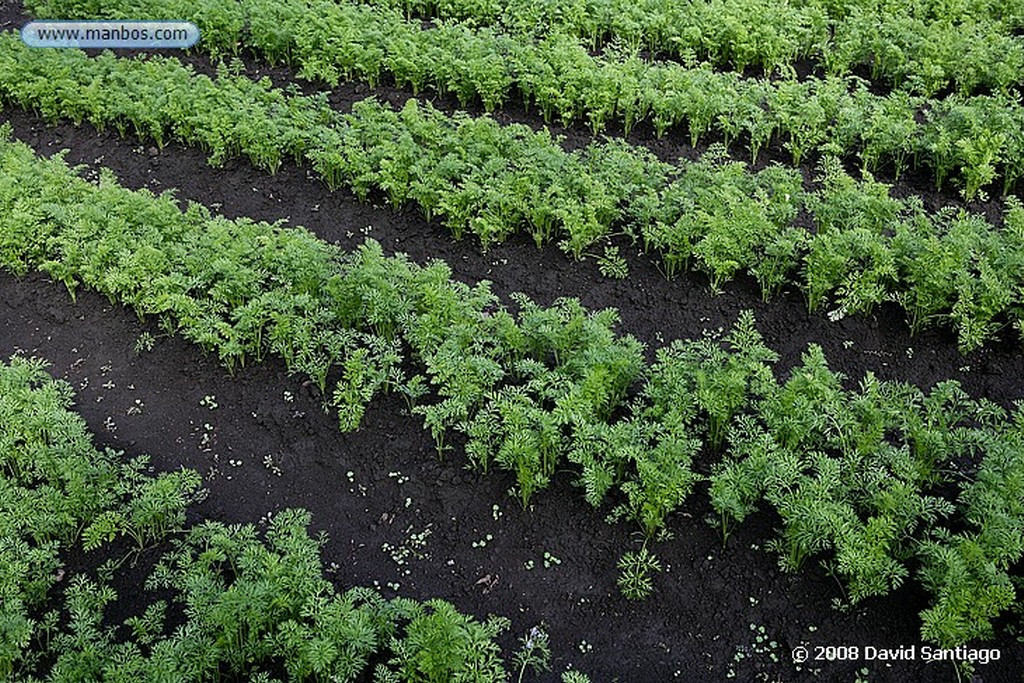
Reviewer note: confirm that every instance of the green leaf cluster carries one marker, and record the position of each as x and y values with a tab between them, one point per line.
976	135
920	46
250	607
859	479
713	215
635	569
58	491
970	569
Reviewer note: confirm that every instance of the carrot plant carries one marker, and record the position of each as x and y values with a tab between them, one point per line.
961	271
255	605
908	45
688	399
849	256
724	376
727	220
968	569
635	568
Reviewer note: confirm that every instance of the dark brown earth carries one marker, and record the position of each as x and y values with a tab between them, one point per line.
384	484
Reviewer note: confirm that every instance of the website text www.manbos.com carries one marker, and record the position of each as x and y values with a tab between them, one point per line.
103	34
120	33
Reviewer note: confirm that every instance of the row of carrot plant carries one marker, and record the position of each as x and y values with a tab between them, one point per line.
242	606
714	215
921	47
876	482
979	139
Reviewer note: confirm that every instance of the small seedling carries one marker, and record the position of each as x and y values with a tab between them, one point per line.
635	569
550	560
414	546
612	265
399	477
145	342
268	462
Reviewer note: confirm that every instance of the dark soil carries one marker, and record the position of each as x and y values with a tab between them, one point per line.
384	484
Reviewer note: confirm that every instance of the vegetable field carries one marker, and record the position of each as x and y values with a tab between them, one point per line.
569	340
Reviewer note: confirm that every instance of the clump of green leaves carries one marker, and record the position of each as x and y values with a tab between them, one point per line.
636	569
60	492
821	458
853	476
612	265
969	571
144	343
